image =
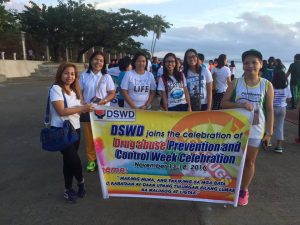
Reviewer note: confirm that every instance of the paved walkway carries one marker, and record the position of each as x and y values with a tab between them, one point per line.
31	182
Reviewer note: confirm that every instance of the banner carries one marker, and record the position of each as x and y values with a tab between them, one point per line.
195	156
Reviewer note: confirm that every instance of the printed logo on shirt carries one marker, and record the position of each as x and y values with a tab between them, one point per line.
141	86
115	115
177	93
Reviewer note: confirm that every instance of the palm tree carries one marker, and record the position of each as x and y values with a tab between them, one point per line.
156	36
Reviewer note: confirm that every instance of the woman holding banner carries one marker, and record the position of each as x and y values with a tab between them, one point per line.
66	91
172	85
199	82
97	87
256	94
138	85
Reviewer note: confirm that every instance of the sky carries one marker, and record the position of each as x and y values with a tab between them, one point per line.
215	27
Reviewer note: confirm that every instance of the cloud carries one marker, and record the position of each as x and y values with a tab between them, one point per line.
15	5
108	4
232	38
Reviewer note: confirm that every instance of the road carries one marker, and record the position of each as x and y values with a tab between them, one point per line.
31	183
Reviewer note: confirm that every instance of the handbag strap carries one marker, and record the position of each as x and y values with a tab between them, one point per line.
47	113
200	89
98	85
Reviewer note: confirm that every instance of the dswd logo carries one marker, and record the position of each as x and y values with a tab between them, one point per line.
100	114
115	115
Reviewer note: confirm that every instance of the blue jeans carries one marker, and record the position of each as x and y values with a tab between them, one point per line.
279	114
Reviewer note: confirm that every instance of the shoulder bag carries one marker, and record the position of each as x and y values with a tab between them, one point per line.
57	138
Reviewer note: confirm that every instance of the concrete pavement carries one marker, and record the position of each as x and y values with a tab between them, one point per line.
31	182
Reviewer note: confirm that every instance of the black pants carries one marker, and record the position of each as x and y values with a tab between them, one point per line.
72	164
217	98
180	107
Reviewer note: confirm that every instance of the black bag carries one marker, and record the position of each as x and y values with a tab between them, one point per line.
57	138
196	98
195	103
85	117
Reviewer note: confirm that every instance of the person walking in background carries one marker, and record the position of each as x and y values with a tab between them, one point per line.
221	78
232	70
66	88
269	70
172	86
201	60
278	66
251	92
124	66
97	87
211	65
263	70
179	64
155	67
138	85
294	71
281	94
199	82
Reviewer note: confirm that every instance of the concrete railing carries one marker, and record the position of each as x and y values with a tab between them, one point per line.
18	68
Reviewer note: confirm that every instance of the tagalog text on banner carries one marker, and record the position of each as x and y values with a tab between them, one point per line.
196	156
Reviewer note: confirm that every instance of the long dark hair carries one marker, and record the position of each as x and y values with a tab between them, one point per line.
177	74
58	81
279	80
221	60
186	65
279	65
103	70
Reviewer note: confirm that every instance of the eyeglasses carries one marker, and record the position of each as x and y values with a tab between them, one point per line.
170	61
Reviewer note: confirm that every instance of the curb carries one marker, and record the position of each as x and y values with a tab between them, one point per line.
2	78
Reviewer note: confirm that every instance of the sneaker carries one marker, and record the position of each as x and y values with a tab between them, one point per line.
81	190
243	198
91	166
270	144
70	195
278	149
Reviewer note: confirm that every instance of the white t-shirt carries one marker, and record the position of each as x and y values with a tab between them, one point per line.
193	83
149	66
221	76
280	96
72	102
138	87
232	69
160	71
89	82
114	71
175	95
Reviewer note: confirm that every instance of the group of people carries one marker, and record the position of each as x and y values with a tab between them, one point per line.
189	86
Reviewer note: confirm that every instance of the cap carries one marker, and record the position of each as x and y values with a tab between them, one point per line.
252	52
